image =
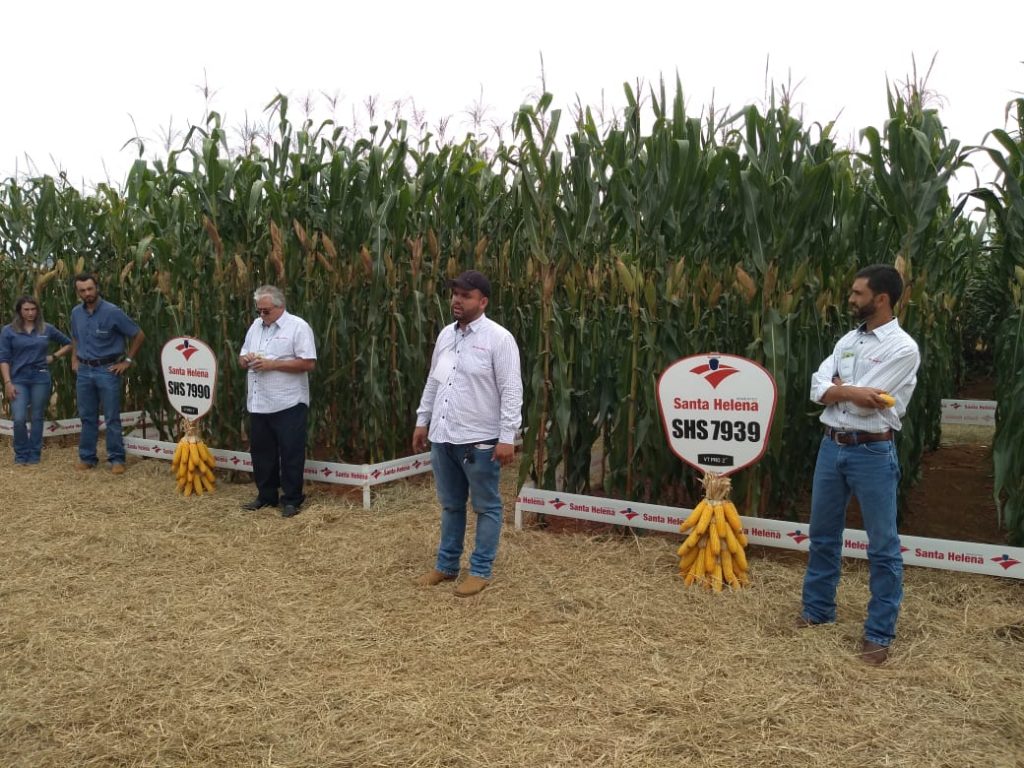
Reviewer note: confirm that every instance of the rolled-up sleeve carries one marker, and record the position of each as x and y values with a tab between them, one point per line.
821	380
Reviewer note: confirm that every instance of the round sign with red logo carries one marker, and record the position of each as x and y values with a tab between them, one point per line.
717	411
190	373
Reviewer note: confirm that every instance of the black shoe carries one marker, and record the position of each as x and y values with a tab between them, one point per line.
289	510
257	503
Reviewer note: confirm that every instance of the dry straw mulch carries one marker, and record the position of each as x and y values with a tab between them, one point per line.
138	628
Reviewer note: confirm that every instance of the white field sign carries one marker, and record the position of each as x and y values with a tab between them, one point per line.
717	411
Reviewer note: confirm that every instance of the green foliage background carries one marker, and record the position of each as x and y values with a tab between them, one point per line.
613	250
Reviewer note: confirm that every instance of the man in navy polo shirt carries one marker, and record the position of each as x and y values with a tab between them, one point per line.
99	332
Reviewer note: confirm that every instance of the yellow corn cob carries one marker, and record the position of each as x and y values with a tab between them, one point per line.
687	560
740	558
709	560
205	455
705	520
694	517
178	451
731	542
208	483
696	570
727	572
692	539
197	483
720	523
733	517
714	542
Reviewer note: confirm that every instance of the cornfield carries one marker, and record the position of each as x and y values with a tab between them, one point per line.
614	250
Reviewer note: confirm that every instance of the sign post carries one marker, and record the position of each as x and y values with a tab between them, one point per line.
190	375
717	412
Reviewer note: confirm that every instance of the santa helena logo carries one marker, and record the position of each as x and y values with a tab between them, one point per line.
714	371
557	503
798	536
186	349
628	513
1005	562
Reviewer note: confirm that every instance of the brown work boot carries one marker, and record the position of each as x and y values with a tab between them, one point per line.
471	585
873	653
117	469
81	466
433	578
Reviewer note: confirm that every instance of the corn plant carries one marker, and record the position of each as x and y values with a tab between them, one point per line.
613	251
1005	282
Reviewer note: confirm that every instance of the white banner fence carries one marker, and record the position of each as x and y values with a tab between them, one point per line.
363	475
969	557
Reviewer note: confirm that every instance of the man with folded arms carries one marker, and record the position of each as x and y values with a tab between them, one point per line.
100	331
470	410
865	386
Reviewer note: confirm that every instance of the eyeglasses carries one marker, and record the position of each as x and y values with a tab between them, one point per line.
261	311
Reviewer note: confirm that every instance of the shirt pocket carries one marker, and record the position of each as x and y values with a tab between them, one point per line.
477	361
279	348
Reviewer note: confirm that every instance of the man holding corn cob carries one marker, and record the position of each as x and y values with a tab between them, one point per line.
471	410
278	352
865	386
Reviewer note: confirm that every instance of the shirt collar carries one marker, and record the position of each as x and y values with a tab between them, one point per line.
96	308
281	322
474	326
883	331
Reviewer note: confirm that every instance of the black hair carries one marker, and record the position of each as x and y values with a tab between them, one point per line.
883	278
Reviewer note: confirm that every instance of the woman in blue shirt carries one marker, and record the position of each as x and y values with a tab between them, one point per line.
24	363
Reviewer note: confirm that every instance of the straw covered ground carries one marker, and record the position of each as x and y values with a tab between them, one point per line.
138	628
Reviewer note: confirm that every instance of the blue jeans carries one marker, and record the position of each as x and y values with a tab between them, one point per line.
461	470
33	393
96	387
870	472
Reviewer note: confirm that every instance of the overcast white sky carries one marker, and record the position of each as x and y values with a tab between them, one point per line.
79	77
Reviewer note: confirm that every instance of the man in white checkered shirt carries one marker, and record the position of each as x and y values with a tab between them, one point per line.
470	411
279	352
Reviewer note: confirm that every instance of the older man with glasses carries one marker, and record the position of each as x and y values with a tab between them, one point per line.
278	352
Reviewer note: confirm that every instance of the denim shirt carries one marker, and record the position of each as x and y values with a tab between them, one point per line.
102	333
26	352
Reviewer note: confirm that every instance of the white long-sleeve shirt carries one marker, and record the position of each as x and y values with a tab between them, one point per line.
475	388
886	358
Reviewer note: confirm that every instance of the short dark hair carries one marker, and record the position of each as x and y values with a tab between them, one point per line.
883	278
471	280
81	277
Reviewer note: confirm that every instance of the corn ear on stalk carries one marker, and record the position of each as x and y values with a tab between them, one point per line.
712	553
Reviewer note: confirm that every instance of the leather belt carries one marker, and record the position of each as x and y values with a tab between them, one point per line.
856	438
100	361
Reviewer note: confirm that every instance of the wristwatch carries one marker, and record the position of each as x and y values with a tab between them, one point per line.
128	360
